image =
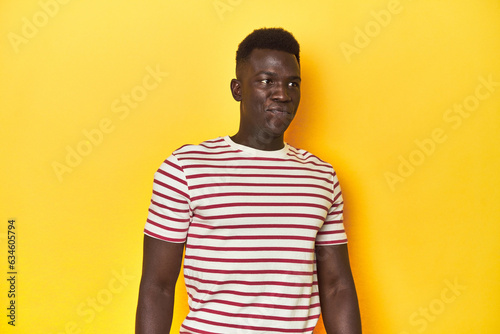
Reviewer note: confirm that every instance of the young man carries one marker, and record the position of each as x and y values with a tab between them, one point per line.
260	220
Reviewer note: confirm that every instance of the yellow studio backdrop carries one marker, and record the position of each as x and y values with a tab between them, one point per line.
401	96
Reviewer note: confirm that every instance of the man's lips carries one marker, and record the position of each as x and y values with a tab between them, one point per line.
279	111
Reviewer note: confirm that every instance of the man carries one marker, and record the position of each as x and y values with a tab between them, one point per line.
260	220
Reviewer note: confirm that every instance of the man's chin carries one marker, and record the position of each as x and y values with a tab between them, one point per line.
278	131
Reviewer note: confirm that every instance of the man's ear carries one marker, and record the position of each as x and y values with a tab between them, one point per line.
236	89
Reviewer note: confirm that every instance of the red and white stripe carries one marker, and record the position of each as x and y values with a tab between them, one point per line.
251	220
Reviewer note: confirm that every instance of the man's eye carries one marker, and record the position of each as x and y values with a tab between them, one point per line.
293	84
265	81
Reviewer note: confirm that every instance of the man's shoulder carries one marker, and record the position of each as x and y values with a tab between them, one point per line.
307	156
203	150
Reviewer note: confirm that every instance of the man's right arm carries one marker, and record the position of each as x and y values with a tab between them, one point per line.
161	265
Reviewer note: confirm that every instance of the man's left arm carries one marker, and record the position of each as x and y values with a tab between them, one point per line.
339	302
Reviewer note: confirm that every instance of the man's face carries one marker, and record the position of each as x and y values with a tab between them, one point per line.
269	90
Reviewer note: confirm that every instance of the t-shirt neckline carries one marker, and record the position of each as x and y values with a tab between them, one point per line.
255	152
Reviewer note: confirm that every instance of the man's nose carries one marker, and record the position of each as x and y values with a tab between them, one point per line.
280	93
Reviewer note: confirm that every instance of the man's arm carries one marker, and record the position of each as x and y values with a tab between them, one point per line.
160	269
339	302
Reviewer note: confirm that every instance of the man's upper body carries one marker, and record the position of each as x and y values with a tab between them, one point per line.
261	221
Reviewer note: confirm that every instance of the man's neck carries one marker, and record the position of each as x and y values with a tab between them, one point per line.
264	143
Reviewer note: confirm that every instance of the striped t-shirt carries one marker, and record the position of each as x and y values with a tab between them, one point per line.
251	220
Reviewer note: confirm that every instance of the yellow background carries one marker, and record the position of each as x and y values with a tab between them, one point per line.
413	233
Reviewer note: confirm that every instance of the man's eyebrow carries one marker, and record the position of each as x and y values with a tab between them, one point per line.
273	74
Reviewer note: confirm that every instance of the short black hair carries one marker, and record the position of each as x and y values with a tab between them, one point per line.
267	38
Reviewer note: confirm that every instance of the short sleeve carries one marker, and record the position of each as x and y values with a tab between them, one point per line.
332	232
169	214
